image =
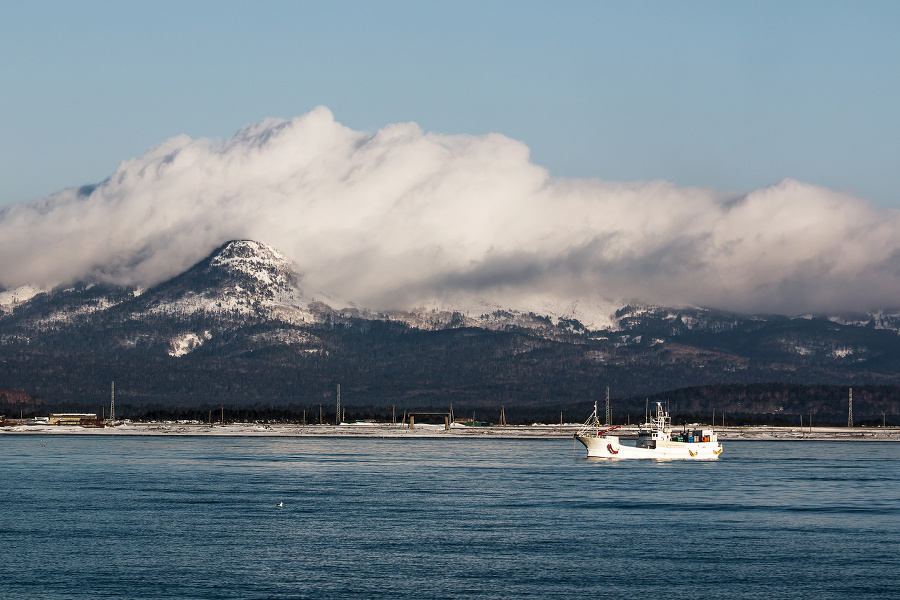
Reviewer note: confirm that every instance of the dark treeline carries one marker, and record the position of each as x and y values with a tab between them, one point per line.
785	404
325	413
749	404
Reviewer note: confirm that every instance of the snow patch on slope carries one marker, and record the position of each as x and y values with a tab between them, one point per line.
187	343
842	352
303	341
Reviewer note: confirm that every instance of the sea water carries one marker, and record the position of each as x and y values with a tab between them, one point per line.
198	517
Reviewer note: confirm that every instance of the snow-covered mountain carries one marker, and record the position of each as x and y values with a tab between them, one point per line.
242	318
247	279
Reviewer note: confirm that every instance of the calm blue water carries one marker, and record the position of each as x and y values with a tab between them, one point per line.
160	517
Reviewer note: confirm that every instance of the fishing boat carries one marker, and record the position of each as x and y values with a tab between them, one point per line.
655	440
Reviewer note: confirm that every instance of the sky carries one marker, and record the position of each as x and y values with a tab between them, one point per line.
734	155
730	95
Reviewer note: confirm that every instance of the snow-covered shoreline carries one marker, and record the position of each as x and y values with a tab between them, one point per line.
388	430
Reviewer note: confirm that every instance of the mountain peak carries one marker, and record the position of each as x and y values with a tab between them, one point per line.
240	277
259	261
246	249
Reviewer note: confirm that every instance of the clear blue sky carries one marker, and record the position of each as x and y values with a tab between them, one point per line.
731	95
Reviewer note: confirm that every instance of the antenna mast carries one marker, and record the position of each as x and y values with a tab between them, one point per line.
112	401
337	418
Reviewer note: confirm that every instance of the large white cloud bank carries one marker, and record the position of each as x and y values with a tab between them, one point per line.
401	218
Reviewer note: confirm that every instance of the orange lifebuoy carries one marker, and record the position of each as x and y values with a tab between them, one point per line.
610	448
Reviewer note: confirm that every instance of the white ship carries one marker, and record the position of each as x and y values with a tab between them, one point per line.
655	440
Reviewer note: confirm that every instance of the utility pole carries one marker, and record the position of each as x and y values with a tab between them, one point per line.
850	410
337	413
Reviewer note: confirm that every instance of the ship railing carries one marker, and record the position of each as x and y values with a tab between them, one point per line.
591	425
593	430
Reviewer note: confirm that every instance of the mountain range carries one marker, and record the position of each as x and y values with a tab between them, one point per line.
238	328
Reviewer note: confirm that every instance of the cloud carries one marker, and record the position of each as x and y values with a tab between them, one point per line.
401	217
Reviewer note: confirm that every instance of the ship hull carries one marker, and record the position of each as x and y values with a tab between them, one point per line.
609	447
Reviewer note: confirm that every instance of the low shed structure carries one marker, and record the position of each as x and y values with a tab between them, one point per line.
72	418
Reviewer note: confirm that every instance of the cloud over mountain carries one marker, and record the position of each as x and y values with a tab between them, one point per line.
401	217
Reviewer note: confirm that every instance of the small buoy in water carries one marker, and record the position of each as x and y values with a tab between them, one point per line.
280	504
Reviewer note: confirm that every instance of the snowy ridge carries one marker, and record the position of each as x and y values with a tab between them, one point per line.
879	320
533	313
69	316
245	280
10	299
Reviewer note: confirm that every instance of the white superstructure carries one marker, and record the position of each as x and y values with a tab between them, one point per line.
655	440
